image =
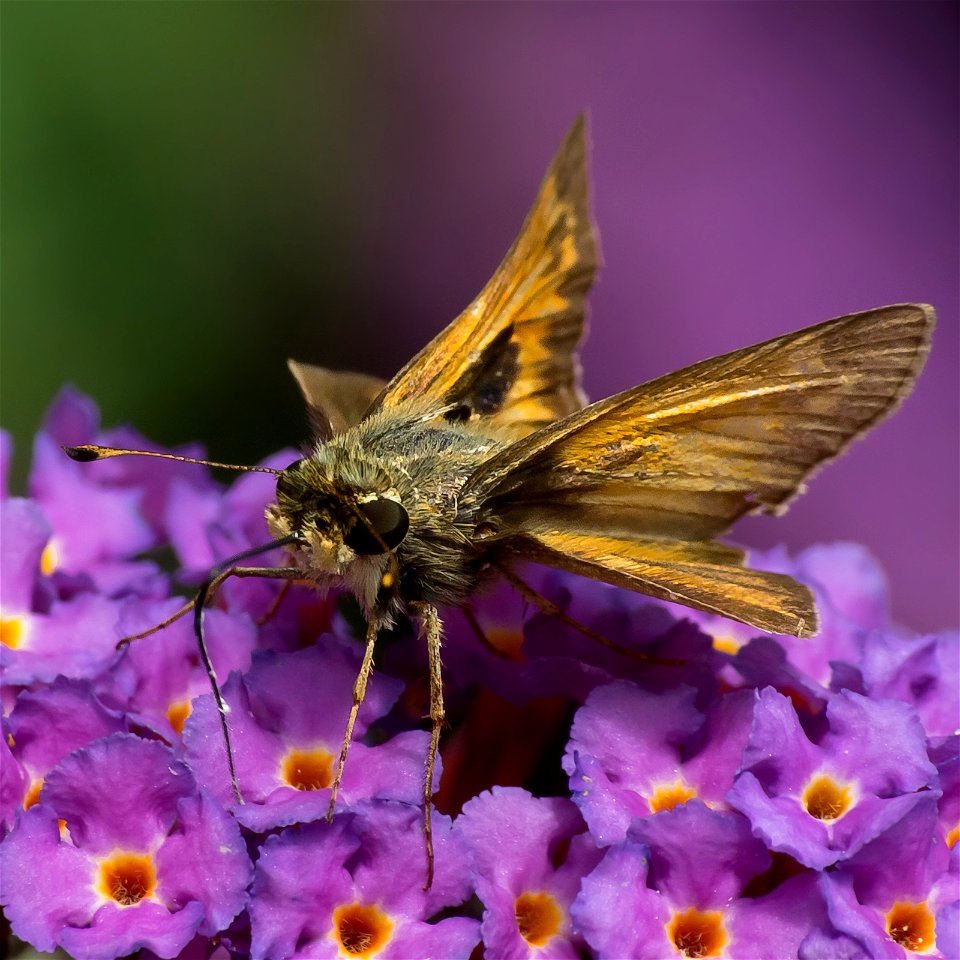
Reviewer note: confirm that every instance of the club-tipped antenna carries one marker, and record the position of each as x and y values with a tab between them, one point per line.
202	594
88	452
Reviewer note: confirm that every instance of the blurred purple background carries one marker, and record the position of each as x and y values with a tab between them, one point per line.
194	192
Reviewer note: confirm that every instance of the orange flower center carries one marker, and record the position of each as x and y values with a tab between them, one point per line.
670	795
539	917
725	643
361	930
49	559
127	878
826	799
177	714
307	769
12	631
912	925
33	793
953	835
506	640
698	933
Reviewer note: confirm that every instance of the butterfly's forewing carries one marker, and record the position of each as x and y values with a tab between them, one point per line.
731	435
511	355
681	457
336	399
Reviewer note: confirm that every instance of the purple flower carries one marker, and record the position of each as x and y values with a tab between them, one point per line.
40	635
921	671
73	419
851	595
847	930
156	679
529	856
354	887
945	753
565	660
906	882
529	654
205	524
26	533
851	580
143	859
624	755
927	927
822	803
97	527
13	786
633	753
287	720
676	885
739	794
764	662
48	723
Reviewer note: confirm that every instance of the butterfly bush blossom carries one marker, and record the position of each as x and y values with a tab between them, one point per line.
701	790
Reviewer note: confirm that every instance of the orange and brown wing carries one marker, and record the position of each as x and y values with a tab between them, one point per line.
685	455
511	355
706	576
681	457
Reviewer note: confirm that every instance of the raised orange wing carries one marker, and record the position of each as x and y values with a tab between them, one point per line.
511	355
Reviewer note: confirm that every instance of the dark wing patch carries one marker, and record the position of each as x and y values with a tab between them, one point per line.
510	356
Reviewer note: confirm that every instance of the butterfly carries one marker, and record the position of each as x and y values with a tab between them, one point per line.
482	454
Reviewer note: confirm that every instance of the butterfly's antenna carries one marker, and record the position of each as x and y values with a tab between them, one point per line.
92	451
211	580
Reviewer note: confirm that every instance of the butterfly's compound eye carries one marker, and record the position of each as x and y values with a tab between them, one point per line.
386	518
287	482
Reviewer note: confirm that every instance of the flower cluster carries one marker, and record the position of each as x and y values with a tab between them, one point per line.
693	790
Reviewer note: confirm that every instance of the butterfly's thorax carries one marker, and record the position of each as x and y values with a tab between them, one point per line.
422	464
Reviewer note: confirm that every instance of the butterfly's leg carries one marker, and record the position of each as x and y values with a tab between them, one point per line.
271	611
185	609
552	610
359	692
431	627
206	592
188	606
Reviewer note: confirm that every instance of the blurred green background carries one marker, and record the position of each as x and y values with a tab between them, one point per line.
177	214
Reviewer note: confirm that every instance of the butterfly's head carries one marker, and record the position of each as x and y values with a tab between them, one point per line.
337	523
